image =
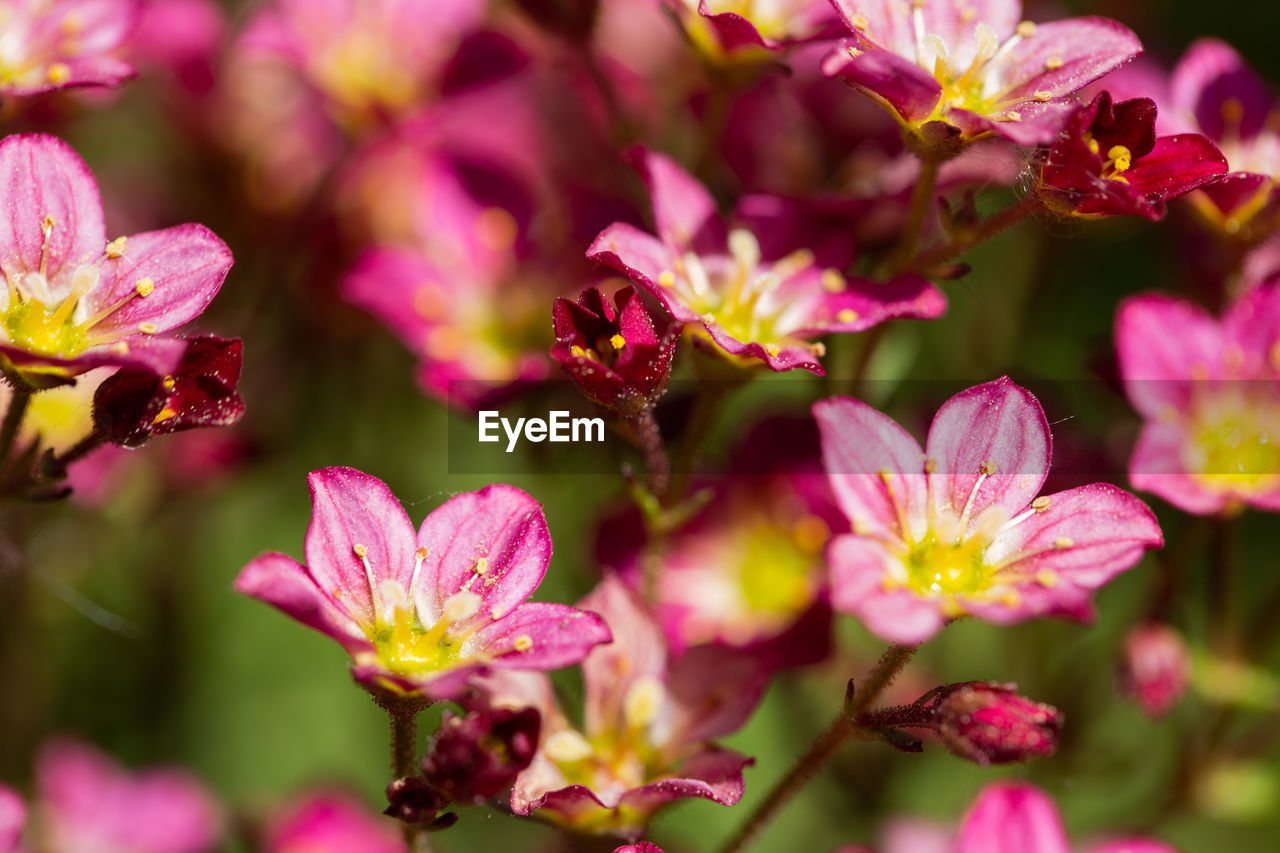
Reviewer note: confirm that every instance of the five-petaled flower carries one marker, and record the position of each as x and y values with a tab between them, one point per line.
957	528
74	300
951	72
1109	162
714	279
1208	391
422	614
46	46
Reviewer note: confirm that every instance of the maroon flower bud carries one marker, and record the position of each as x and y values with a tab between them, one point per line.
134	404
619	357
1109	162
474	757
990	723
1155	668
414	801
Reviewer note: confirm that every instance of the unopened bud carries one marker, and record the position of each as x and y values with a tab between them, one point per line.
990	723
1155	668
474	757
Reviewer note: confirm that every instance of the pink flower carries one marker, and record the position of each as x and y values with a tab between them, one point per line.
473	757
45	46
723	26
87	802
13	816
1155	667
957	528
990	723
716	280
1207	389
330	823
642	847
648	722
422	614
75	301
973	68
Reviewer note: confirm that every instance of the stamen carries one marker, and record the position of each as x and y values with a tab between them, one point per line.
832	280
567	747
985	470
522	643
82	281
696	275
643	702
667	278
46	229
58	73
899	510
1120	158
917	29
745	248
1063	542
362	554
1053	63
418	557
617	342
115	249
847	315
1042	503
146	327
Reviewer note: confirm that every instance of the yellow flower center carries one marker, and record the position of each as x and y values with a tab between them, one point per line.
1236	440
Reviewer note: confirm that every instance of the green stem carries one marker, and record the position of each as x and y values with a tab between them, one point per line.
842	728
712	392
19	400
922	203
404	755
980	233
656	463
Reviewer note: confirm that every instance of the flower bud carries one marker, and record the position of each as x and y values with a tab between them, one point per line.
1155	668
990	723
474	757
414	801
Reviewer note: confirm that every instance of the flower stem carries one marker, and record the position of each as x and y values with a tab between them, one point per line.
655	452
1224	635
404	754
19	400
922	202
842	728
980	233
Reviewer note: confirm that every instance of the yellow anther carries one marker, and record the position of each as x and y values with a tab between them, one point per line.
1012	115
617	342
968	13
1026	29
169	383
360	550
1041	503
459	606
522	643
72	24
120	348
667	278
47	224
1063	542
1093	145
1042	95
481	566
1121	158
164	415
148	328
847	315
421	553
930	464
577	351
643	701
832	281
819	349
58	73
1053	63
987	468
860	22
567	747
144	287
1011	599
772	350
708	318
115	249
1047	578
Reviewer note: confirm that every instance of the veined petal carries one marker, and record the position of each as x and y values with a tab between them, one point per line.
542	636
683	210
286	585
859	570
874	467
1012	818
714	690
185	266
642	258
638	651
909	89
43	177
493	542
1086	47
348	509
779	357
996	431
1156	466
1036	124
1162	344
863	303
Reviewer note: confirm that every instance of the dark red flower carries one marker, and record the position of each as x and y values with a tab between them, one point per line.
990	723
619	355
475	757
135	404
1108	161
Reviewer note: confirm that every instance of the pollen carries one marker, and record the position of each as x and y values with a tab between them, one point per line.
847	315
421	553
1043	95
1041	503
1026	29
144	287
360	550
1121	158
1047	578
617	342
1053	63
930	464
47	224
115	249
58	73
164	415
169	383
772	350
1063	542
1012	115
567	747
148	328
522	643
667	278
860	22
481	566
577	351
987	468
832	281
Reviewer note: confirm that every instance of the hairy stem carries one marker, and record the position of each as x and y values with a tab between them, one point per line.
404	755
19	400
842	728
980	233
655	452
921	205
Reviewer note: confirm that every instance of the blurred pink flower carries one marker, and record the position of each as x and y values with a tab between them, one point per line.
13	816
330	823
648	722
956	528
1155	667
422	614
723	26
642	847
183	38
75	301
715	279
46	46
85	801
974	69
1208	391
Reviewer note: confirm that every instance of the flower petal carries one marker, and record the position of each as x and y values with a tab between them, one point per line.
1156	466
642	258
859	567
348	509
558	635
714	690
1009	817
1177	165
1252	327
909	89
13	816
683	210
638	651
996	424
286	585
1210	74
1162	343
493	542
1086	48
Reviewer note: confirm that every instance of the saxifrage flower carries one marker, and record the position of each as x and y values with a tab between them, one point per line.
421	614
46	46
957	528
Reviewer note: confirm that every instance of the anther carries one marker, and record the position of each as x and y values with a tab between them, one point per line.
987	468
115	249
832	281
144	287
667	278
360	550
1063	542
169	383
1041	503
1043	95
522	643
847	315
146	327
617	341
1053	63
58	73
1026	29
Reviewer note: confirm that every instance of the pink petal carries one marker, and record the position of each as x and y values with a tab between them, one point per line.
1252	325
714	689
1038	123
13	816
638	650
328	823
642	258
1209	74
909	89
1161	344
1156	466
43	176
890	26
788	356
285	584
712	773
350	508
560	635
871	463
683	210
1009	817
874	302
501	525
1132	846
187	265
999	423
858	571
1087	47
386	282
733	30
